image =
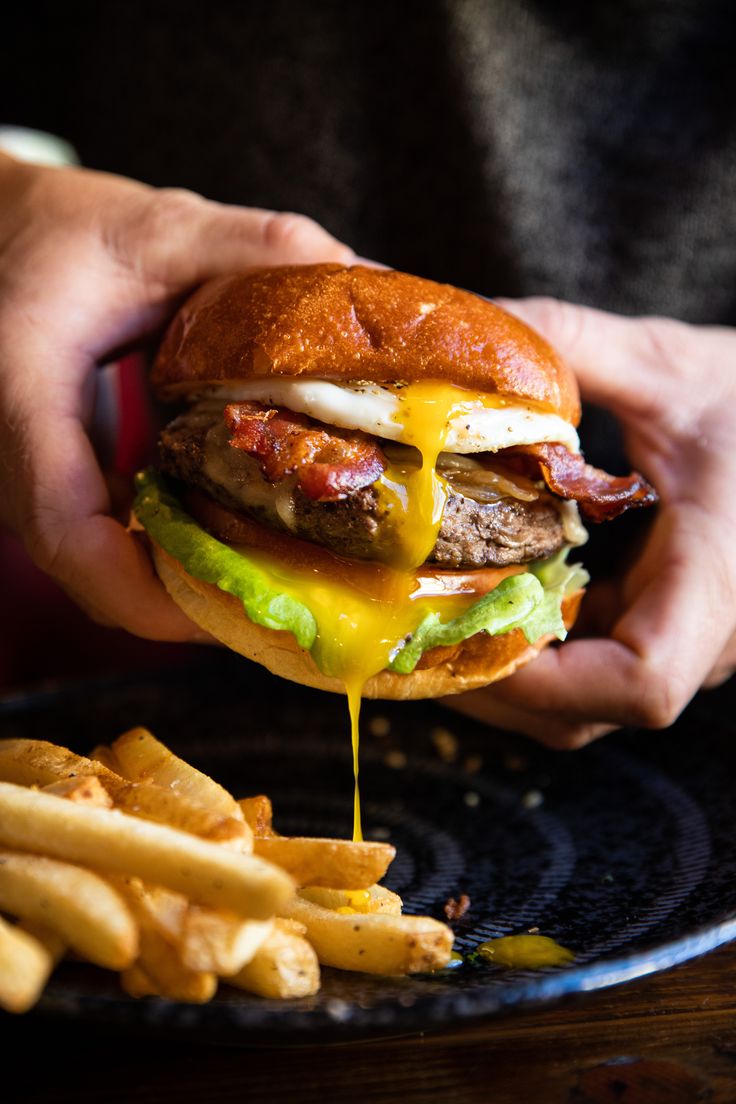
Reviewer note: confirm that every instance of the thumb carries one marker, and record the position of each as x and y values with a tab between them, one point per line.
618	361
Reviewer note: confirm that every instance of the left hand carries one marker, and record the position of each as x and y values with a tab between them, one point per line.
667	626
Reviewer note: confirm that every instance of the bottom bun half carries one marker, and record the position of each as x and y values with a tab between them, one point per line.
476	662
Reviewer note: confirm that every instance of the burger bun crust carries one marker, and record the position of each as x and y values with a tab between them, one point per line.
356	323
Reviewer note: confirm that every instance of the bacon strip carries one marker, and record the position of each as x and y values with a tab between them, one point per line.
329	463
600	496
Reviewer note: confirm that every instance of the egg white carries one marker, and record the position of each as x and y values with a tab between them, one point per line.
377	410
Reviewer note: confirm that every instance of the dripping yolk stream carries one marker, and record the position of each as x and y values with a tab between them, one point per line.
360	620
363	614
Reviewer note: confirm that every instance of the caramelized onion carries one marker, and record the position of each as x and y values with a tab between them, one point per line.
484	482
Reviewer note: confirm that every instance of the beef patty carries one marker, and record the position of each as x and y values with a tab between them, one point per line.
194	448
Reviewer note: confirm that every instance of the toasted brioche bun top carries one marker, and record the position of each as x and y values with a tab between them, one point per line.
327	321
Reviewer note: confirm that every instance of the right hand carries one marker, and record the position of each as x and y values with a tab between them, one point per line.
90	264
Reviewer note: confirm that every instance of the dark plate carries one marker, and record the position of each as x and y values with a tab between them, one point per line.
624	852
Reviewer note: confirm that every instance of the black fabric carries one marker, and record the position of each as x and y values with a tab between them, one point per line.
510	146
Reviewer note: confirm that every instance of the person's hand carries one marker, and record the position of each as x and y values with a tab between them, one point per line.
668	626
90	264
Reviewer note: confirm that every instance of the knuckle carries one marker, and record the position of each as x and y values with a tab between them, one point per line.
285	229
657	701
167	206
294	235
162	219
562	323
143	241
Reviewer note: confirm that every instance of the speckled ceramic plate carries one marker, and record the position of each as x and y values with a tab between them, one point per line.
625	852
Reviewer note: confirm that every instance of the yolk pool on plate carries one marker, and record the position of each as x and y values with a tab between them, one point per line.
525	952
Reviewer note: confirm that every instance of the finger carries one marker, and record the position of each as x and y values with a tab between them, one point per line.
104	569
661	650
599	610
179	239
718	676
724	667
619	362
559	733
58	499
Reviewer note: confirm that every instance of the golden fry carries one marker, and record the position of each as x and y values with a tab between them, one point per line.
38	763
221	941
136	982
104	755
25	965
46	936
143	758
374	899
167	974
338	864
83	790
84	911
375	943
205	939
111	840
259	814
284	967
159	969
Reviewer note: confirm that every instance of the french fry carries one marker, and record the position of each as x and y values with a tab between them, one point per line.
284	967
161	909
46	936
259	814
79	906
112	840
192	882
374	899
25	965
167	976
143	758
38	763
84	790
373	943
221	941
136	982
205	939
159	969
336	863
292	926
104	755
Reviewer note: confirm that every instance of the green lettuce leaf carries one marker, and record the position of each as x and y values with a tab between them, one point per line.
530	602
208	559
509	606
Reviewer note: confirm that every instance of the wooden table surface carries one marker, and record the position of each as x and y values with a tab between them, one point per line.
666	1039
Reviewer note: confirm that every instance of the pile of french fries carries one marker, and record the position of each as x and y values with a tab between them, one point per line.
135	861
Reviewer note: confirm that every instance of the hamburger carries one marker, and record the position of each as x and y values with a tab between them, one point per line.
376	481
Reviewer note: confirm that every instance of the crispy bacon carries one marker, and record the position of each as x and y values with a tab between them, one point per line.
600	496
329	463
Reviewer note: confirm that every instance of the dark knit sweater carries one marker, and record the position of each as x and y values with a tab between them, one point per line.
510	146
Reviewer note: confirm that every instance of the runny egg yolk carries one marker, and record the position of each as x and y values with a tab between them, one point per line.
416	495
363	616
524	952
